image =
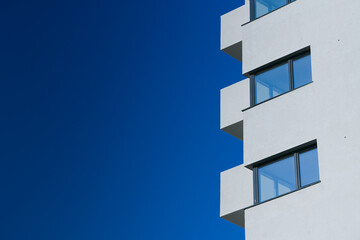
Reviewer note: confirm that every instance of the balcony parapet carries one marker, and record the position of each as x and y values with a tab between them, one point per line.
234	99
236	194
231	30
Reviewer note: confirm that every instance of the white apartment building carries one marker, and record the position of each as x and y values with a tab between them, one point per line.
298	115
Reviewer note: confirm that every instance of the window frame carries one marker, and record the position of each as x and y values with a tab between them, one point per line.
294	153
252	9
290	63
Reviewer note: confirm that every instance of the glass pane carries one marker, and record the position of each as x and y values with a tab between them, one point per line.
263	7
302	71
272	83
309	167
277	179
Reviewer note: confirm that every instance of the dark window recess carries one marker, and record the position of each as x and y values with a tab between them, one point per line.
262	7
280	78
286	174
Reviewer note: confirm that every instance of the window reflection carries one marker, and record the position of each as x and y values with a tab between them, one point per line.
302	71
309	167
277	179
290	173
272	83
263	7
293	73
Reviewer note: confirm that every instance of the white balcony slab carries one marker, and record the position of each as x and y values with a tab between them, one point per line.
236	194
231	30
234	99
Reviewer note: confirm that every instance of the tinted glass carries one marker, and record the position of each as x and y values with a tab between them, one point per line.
263	7
302	71
309	167
272	83
277	179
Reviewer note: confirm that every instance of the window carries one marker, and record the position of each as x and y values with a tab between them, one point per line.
280	78
262	7
286	174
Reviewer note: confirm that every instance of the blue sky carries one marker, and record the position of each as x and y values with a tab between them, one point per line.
110	120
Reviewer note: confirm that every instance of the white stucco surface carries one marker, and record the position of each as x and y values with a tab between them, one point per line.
233	99
231	30
236	183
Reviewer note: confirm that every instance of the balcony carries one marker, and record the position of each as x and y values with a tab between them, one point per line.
236	194
231	30
234	99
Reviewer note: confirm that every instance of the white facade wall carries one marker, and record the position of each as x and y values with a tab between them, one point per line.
327	110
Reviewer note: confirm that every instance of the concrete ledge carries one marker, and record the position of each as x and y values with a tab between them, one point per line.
234	99
236	194
231	30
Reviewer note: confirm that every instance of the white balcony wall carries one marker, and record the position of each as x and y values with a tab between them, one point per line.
231	30
233	100
236	194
